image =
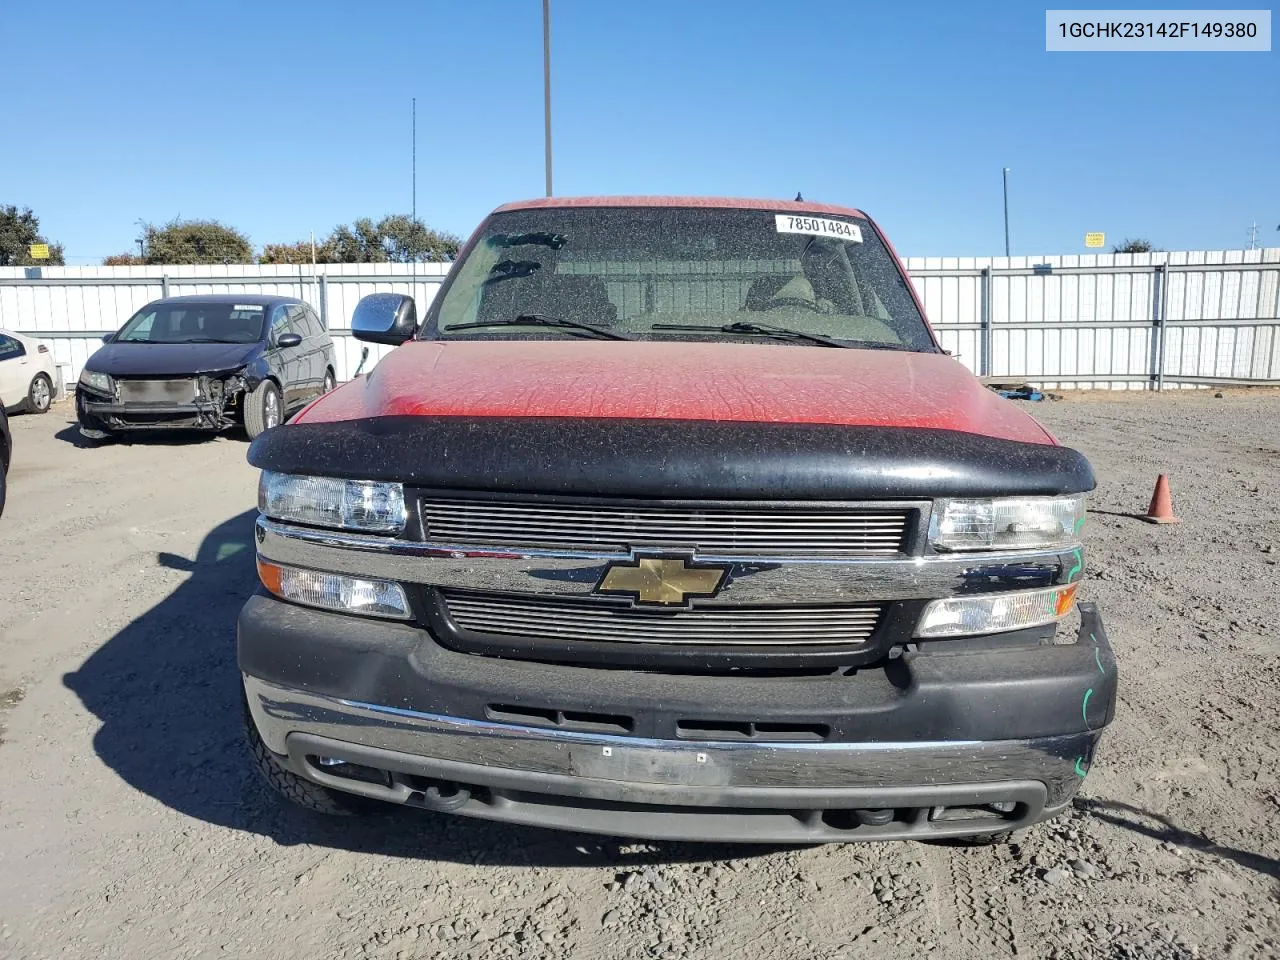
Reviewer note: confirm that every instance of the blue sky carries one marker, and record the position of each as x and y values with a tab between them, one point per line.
282	118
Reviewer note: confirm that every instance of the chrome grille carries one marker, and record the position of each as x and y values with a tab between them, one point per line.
594	621
754	529
157	391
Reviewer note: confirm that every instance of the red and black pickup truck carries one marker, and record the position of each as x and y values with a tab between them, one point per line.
670	518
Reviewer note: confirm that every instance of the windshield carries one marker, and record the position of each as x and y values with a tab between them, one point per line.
195	323
766	275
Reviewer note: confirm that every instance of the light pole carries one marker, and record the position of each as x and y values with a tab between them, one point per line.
1006	211
546	81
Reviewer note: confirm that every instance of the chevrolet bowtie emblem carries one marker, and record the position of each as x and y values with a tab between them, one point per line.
664	580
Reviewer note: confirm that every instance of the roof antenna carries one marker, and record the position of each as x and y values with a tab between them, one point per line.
799	199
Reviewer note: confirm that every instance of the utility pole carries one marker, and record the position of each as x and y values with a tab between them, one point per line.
546	81
413	153
1006	211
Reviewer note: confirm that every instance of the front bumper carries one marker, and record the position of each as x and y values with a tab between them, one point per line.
99	413
931	745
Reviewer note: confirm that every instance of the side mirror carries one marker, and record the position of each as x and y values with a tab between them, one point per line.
288	340
107	338
385	318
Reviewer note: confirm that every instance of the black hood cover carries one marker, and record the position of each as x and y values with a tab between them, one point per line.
672	459
170	359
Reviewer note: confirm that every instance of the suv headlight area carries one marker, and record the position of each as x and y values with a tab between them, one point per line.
1009	523
370	506
98	382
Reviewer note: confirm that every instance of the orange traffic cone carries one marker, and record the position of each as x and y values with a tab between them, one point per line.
1161	509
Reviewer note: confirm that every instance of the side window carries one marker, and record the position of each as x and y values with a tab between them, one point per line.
298	322
11	349
279	322
316	326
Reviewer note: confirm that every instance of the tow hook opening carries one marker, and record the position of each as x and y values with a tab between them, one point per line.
866	817
1000	810
978	813
439	795
335	767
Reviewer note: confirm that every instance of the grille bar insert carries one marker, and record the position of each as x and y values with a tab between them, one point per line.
596	622
157	391
615	528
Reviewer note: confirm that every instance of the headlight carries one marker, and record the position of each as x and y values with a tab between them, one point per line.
368	505
995	612
1015	523
334	591
100	382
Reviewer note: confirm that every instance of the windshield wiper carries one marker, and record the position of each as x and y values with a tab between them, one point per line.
540	320
784	333
752	329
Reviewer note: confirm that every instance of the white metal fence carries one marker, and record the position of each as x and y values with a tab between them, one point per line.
1108	320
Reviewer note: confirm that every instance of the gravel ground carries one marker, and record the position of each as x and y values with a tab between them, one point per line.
131	825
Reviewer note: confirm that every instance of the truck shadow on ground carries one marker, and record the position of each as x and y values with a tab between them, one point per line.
1159	827
161	438
166	690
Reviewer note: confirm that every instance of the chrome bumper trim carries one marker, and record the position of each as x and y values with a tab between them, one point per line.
600	764
749	580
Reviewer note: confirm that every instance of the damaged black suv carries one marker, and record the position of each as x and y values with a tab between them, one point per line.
206	363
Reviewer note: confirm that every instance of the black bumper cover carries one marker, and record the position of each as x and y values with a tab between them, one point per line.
1046	705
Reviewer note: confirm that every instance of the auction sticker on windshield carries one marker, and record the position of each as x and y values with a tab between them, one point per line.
247	306
818	227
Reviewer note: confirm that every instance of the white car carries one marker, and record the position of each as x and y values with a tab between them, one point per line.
26	373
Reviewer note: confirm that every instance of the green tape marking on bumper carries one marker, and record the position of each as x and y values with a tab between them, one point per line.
1075	571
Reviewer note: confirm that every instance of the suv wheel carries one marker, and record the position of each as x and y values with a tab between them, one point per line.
292	787
40	394
263	408
980	839
91	428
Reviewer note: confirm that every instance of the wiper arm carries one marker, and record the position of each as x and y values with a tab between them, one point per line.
752	329
541	320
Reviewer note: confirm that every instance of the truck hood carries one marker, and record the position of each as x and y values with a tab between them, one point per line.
745	383
169	359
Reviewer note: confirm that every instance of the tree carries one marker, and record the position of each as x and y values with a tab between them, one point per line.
407	240
396	238
1134	246
299	252
195	241
125	259
358	243
18	231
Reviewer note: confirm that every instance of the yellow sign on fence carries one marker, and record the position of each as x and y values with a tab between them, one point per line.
39	251
1095	239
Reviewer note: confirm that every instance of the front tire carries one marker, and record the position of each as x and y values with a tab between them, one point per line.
296	789
40	394
263	408
330	381
91	428
984	839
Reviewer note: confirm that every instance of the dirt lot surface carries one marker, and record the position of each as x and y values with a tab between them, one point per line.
131	825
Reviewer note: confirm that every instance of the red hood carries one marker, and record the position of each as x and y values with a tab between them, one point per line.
677	381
